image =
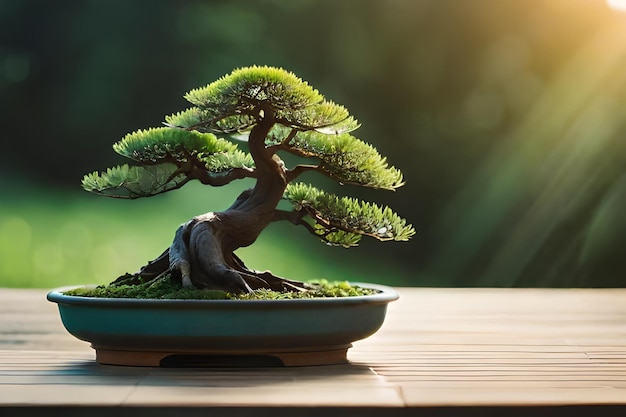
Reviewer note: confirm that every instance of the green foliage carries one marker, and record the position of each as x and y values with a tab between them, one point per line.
167	156
166	288
185	119
325	116
244	88
134	181
343	157
223	162
343	220
160	144
229	104
306	125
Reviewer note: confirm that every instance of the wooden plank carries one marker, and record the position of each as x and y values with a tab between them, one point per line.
437	348
506	347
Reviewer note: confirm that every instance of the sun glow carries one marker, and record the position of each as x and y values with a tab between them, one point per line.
619	5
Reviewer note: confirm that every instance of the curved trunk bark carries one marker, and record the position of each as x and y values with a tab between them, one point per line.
202	253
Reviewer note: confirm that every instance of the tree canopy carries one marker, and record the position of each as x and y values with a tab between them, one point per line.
304	123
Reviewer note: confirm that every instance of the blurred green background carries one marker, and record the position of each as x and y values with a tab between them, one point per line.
507	118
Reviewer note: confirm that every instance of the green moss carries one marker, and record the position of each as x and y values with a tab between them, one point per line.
167	288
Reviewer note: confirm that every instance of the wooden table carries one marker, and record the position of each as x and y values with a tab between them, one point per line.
440	352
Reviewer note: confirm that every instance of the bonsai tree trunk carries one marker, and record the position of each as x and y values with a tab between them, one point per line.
202	253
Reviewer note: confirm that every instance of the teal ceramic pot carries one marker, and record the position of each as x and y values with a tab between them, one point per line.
296	332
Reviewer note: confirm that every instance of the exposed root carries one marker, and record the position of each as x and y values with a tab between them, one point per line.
197	259
153	270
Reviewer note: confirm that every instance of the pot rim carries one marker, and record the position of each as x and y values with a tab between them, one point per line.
385	295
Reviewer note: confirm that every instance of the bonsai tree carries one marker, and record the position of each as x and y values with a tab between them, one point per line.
275	112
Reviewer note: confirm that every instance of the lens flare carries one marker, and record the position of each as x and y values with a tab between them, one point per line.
619	5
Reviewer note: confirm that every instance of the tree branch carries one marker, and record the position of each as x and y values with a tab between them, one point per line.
219	179
135	195
294	216
303	127
297	218
284	144
298	170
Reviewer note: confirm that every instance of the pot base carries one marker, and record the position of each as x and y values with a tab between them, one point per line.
331	355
